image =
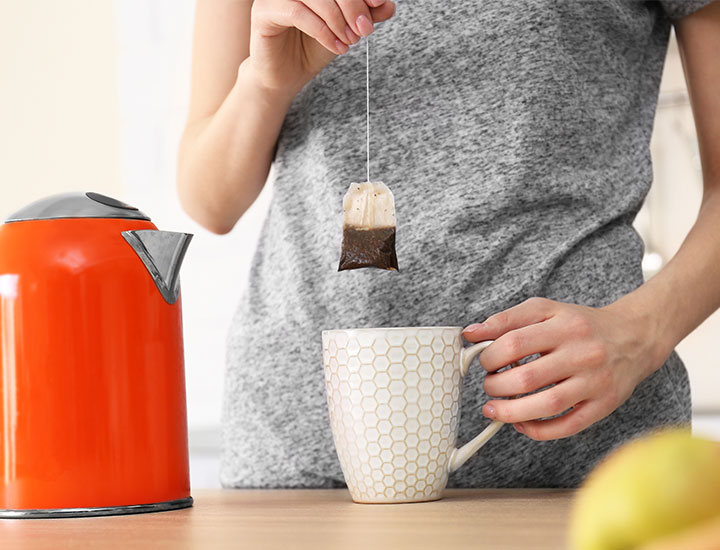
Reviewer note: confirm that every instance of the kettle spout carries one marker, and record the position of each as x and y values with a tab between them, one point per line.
162	252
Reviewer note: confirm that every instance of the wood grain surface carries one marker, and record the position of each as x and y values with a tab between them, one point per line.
496	519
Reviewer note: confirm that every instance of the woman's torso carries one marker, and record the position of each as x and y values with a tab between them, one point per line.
515	140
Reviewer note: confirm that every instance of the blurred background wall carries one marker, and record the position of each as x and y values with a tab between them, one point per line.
93	96
58	99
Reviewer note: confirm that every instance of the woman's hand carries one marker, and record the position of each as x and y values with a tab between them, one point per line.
292	40
594	358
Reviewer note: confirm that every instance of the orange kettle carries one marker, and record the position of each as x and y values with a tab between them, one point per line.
92	388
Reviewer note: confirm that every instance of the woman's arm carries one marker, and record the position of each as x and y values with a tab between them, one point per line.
250	58
596	357
220	115
696	266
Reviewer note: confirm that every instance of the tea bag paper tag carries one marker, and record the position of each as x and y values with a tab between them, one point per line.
368	205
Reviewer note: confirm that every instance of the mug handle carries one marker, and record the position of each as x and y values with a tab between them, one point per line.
460	455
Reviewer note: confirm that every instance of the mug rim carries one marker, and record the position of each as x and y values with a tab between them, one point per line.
372	329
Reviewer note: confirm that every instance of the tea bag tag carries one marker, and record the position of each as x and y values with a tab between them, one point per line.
368	227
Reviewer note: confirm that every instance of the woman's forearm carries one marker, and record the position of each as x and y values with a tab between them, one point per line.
674	302
225	158
687	290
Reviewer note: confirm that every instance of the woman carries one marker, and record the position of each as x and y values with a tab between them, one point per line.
516	144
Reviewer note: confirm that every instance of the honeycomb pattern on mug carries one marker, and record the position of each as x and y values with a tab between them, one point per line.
393	398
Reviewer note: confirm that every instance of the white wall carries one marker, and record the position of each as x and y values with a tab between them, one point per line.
58	118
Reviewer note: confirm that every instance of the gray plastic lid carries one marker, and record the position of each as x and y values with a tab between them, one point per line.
76	205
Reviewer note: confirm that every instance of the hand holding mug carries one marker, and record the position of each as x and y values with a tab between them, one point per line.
593	358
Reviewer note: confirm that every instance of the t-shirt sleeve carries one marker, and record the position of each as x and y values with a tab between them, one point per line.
677	9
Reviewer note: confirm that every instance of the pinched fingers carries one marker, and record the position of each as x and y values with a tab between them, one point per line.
384	12
357	14
332	15
333	23
361	15
272	18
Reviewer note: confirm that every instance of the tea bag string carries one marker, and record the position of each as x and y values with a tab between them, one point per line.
367	104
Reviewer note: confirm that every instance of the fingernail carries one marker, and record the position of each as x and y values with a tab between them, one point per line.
519	428
351	36
376	3
473	327
364	25
489	411
341	47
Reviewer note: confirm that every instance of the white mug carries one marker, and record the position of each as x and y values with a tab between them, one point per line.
394	401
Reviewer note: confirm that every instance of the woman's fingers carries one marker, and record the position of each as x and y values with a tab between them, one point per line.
534	310
548	369
331	13
333	23
298	15
543	404
384	12
357	15
580	417
522	342
333	17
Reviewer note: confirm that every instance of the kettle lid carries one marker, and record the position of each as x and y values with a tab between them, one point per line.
76	205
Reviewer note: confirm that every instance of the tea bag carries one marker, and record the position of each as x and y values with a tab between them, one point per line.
368	211
368	227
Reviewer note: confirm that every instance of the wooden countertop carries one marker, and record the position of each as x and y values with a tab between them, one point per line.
496	519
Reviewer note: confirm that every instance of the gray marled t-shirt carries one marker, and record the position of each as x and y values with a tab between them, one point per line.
514	136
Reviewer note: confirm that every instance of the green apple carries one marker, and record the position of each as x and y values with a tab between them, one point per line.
649	488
